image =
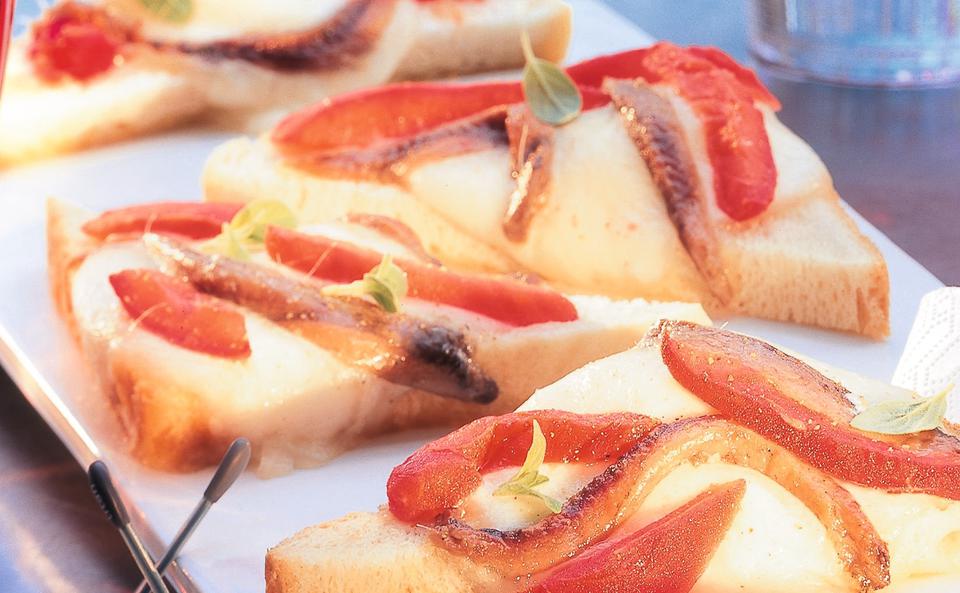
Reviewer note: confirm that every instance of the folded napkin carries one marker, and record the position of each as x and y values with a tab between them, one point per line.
931	359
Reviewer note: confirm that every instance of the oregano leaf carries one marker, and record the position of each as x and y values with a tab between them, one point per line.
904	417
549	91
174	11
529	477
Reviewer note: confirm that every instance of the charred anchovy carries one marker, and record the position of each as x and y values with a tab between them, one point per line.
531	149
397	347
389	162
651	122
616	493
346	36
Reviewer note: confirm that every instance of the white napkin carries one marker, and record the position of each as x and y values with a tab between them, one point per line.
931	358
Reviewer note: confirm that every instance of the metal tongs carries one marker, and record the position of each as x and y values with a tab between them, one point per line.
234	461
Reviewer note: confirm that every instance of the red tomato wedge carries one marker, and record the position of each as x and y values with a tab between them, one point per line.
439	475
174	310
393	111
780	397
506	300
633	64
722	93
397	111
76	40
737	141
747	77
666	556
194	220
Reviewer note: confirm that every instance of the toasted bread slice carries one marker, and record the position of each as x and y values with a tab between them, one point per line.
151	91
38	121
369	552
775	542
483	38
605	227
297	403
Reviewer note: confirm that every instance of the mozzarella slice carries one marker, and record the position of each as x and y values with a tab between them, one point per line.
603	206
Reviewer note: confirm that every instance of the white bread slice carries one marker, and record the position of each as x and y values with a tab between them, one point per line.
605	228
297	403
775	543
484	38
369	552
38	121
149	92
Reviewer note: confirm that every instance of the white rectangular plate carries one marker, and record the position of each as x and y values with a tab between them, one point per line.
226	555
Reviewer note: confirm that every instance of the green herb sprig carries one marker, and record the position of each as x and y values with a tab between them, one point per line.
549	91
174	11
904	417
386	284
529	476
246	230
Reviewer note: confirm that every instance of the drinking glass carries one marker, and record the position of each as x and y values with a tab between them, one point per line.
897	43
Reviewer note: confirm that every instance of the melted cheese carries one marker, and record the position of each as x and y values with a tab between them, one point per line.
603	207
774	539
286	384
298	403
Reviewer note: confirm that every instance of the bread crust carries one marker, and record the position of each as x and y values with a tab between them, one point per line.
66	248
171	424
377	553
469	50
849	294
39	121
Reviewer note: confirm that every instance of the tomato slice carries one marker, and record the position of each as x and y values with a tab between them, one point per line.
174	310
76	40
745	176
747	77
722	93
780	397
439	475
396	111
632	64
504	299
195	220
666	556
392	111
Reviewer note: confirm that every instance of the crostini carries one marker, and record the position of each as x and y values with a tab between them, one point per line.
701	460
677	181
91	73
205	322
